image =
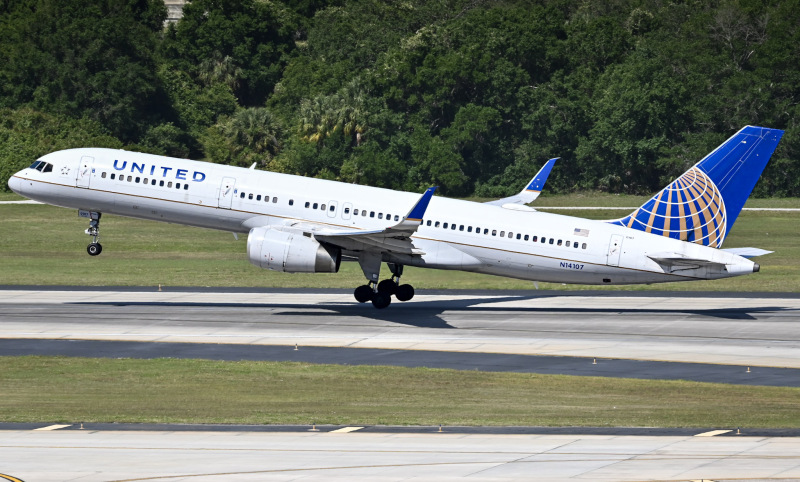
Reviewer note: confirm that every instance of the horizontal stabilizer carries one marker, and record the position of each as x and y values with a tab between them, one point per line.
747	252
675	262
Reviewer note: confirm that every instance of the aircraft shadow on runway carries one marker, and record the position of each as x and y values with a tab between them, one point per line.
428	314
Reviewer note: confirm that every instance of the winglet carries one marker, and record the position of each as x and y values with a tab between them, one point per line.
418	211
532	190
537	183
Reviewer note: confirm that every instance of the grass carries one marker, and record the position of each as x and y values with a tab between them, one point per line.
46	245
73	390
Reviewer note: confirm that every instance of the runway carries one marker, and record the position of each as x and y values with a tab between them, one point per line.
711	334
738	330
56	455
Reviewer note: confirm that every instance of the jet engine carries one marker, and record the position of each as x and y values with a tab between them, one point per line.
291	252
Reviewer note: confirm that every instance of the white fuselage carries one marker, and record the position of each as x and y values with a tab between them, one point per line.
508	241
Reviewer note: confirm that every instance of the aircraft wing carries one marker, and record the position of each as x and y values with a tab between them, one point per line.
532	190
394	239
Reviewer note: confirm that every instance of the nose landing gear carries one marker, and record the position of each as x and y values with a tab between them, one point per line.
94	247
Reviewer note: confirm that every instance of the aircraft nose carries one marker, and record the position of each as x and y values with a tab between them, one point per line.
15	183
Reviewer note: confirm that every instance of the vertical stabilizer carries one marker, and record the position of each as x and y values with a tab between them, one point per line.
702	205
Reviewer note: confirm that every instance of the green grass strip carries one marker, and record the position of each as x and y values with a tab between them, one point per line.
46	245
72	390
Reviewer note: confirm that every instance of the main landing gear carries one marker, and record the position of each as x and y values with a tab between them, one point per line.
381	293
94	247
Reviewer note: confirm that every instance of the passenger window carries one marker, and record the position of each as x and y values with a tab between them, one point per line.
185	187
372	214
519	236
436	225
332	208
308	204
535	238
152	183
453	226
444	225
502	234
161	184
355	212
380	215
169	184
291	201
583	246
275	199
552	240
429	222
567	244
485	230
510	235
258	198
575	246
138	179
316	205
469	229
346	210
249	196
494	232
396	217
178	186
322	207
558	243
544	240
461	228
130	178
113	176
241	195
103	175
525	238
146	181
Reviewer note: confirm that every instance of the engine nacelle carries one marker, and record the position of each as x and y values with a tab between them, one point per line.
291	252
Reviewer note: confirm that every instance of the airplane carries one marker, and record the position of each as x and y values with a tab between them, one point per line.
297	224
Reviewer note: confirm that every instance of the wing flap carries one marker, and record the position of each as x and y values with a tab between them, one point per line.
393	239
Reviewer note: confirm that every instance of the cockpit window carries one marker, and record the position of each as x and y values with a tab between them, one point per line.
42	166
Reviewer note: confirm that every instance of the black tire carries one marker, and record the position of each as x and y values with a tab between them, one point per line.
387	286
381	300
404	292
363	293
94	249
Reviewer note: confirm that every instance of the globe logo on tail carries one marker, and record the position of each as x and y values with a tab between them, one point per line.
690	209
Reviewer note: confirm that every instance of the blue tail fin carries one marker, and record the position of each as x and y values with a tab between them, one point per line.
702	205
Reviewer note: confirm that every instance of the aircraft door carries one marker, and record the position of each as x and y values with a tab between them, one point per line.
332	206
85	169
346	210
226	191
614	250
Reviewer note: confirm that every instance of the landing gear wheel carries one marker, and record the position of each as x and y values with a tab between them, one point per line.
404	292
387	286
381	300
94	249
363	293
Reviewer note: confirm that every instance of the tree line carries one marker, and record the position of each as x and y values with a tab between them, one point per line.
470	95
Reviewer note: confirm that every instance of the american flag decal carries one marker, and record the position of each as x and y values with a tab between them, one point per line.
581	232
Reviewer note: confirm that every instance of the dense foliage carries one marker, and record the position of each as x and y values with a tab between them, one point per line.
470	95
